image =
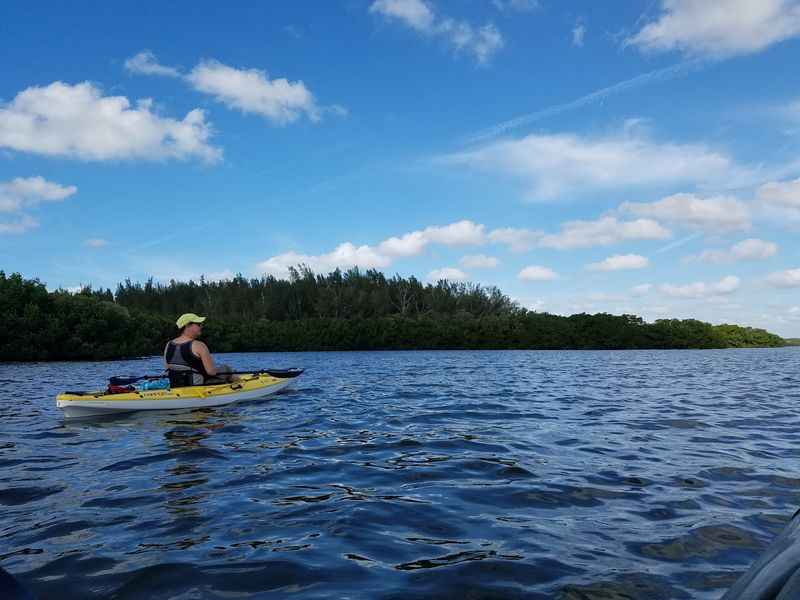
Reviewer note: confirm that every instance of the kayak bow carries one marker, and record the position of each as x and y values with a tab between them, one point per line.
249	387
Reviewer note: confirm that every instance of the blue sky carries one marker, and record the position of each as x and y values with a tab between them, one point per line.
628	157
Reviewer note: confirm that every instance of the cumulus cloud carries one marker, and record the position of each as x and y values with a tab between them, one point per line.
448	273
603	232
482	42
620	262
252	91
789	278
719	28
344	256
553	165
78	121
23	193
145	63
726	285
479	261
714	214
518	240
781	193
537	273
408	244
642	289
749	249
782	197
96	243
753	249
460	233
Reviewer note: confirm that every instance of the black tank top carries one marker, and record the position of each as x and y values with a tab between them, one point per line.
181	354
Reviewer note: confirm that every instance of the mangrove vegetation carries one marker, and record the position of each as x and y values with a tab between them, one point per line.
350	310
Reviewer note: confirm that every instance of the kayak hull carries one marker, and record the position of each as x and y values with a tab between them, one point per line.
201	396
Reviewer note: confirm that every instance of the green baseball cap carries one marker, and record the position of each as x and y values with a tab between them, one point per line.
187	318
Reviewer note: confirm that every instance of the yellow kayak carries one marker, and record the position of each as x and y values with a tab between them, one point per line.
249	387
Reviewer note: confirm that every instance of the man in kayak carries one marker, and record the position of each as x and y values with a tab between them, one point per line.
188	360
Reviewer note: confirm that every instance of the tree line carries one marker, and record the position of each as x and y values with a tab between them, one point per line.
350	310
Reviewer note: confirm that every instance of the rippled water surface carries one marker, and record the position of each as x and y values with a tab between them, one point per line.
409	475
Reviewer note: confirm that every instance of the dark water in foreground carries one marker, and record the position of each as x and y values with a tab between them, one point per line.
410	475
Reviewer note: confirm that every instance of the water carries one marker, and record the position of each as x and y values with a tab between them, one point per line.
409	475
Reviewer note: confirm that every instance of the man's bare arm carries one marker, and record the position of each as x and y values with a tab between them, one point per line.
201	350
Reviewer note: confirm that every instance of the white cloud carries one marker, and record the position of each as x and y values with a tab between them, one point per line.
95	243
145	63
344	256
251	91
578	33
726	285
18	225
414	13
781	194
537	273
25	192
713	214
518	240
719	28
779	201
408	244
754	249
554	165
749	249
785	279
460	233
603	232
448	273
620	262
482	42
642	289
77	121
479	261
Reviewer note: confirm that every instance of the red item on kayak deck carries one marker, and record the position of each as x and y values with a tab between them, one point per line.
120	389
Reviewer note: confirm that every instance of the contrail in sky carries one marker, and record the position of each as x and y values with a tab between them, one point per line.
678	243
664	74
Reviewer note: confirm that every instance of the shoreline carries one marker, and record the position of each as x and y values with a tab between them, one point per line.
403	350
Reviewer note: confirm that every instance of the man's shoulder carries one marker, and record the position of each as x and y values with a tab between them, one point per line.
198	345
